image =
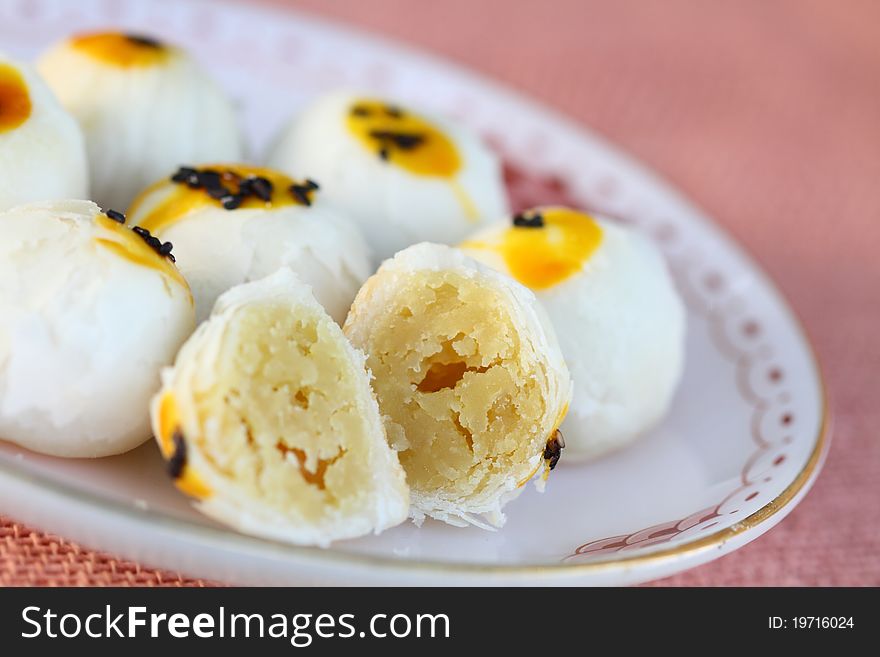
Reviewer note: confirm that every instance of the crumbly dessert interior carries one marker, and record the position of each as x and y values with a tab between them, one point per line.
458	383
281	420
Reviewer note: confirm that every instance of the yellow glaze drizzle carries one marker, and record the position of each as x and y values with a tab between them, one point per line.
409	141
464	199
122	50
169	422
181	200
541	257
559	419
528	477
15	100
403	138
125	243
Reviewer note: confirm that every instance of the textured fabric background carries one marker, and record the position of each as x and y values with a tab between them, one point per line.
767	114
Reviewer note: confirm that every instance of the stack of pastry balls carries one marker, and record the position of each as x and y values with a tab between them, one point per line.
235	312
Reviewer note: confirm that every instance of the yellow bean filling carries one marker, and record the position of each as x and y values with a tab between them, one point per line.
281	421
458	384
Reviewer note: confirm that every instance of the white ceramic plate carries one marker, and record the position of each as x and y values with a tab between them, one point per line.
744	440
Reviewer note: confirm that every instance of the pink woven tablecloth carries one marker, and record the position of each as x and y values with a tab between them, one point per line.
766	113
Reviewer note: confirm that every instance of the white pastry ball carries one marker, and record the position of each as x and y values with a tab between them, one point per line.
267	419
470	380
405	177
231	224
619	318
42	152
89	313
144	106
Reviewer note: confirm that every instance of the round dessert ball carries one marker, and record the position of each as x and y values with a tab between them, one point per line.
89	313
404	176
233	223
268	421
469	377
144	106
619	318
42	152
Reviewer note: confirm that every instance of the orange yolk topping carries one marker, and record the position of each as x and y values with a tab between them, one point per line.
122	50
409	141
403	138
125	243
173	447
15	100
545	246
190	190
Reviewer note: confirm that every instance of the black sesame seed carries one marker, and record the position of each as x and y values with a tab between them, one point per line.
360	110
218	192
232	201
406	141
560	439
209	179
301	193
261	188
383	153
393	111
529	219
213	183
553	449
177	461
311	184
183	174
116	216
143	40
154	243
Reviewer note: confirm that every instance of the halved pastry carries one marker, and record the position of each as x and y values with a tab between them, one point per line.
469	377
268	420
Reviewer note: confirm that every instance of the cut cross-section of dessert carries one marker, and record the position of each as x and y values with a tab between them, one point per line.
268	420
469	377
